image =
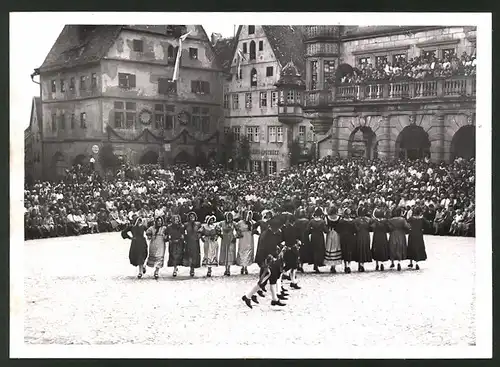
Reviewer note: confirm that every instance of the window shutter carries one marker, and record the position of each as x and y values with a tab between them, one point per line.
131	80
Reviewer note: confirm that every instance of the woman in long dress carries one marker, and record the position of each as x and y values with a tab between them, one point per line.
333	255
416	244
175	237
138	247
192	257
398	227
208	232
227	230
317	229
347	235
157	247
362	253
380	244
263	226
305	251
246	229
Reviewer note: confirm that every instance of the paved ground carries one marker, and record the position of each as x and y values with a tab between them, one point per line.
82	290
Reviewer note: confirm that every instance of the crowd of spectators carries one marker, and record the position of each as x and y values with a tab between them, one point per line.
417	68
84	202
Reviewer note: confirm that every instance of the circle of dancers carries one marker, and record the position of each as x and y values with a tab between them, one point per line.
285	244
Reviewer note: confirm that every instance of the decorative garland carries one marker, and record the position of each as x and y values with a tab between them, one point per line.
184	132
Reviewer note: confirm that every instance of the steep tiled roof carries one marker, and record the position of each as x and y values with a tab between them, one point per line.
77	45
288	44
224	51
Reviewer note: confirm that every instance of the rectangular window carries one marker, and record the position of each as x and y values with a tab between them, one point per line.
272	167
119	119
244	47
200	87
130	106
256	134
251	29
166	86
274	99
398	58
235	101
269	71
363	61
131	117
193	53
159	117
428	54
248	100
83	120
448	52
302	133
54	122
314	75
205	119
94	81
261	45
237	133
83	82
72	84
263	99
329	71
72	123
62	121
279	134
256	166
226	101
271	134
380	60
196	117
250	134
138	45
290	97
126	80
63	89
53	86
227	129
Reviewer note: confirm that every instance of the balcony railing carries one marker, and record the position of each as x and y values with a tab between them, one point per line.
322	31
434	88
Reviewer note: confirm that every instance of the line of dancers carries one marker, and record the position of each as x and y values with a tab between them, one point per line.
300	240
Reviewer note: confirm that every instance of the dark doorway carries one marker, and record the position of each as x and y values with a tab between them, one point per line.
463	143
413	143
150	157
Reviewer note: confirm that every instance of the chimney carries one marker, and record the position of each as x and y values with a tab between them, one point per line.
215	38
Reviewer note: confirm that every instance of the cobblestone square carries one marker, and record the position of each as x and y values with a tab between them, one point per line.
82	290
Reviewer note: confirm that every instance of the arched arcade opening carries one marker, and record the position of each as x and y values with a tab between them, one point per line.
150	157
362	143
463	144
413	143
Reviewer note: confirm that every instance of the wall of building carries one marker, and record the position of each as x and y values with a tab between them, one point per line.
77	92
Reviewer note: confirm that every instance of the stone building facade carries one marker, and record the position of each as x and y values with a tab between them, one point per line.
33	143
254	61
113	84
431	117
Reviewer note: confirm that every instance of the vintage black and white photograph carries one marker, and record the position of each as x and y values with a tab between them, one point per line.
303	187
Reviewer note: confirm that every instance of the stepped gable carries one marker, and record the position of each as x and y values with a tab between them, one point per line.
79	45
287	44
224	50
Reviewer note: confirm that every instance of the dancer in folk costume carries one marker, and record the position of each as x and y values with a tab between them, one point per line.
264	276
209	236
416	244
263	226
138	247
175	237
192	257
157	236
362	253
305	252
227	230
398	227
318	229
291	254
347	235
246	228
380	244
333	255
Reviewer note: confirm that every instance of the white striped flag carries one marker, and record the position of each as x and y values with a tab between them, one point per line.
178	58
240	57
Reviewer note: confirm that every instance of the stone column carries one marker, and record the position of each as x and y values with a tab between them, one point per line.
438	144
384	147
335	136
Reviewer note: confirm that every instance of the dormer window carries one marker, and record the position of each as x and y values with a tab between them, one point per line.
193	53
251	29
138	45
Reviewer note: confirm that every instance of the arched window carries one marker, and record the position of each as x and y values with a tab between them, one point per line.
253	78
252	50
